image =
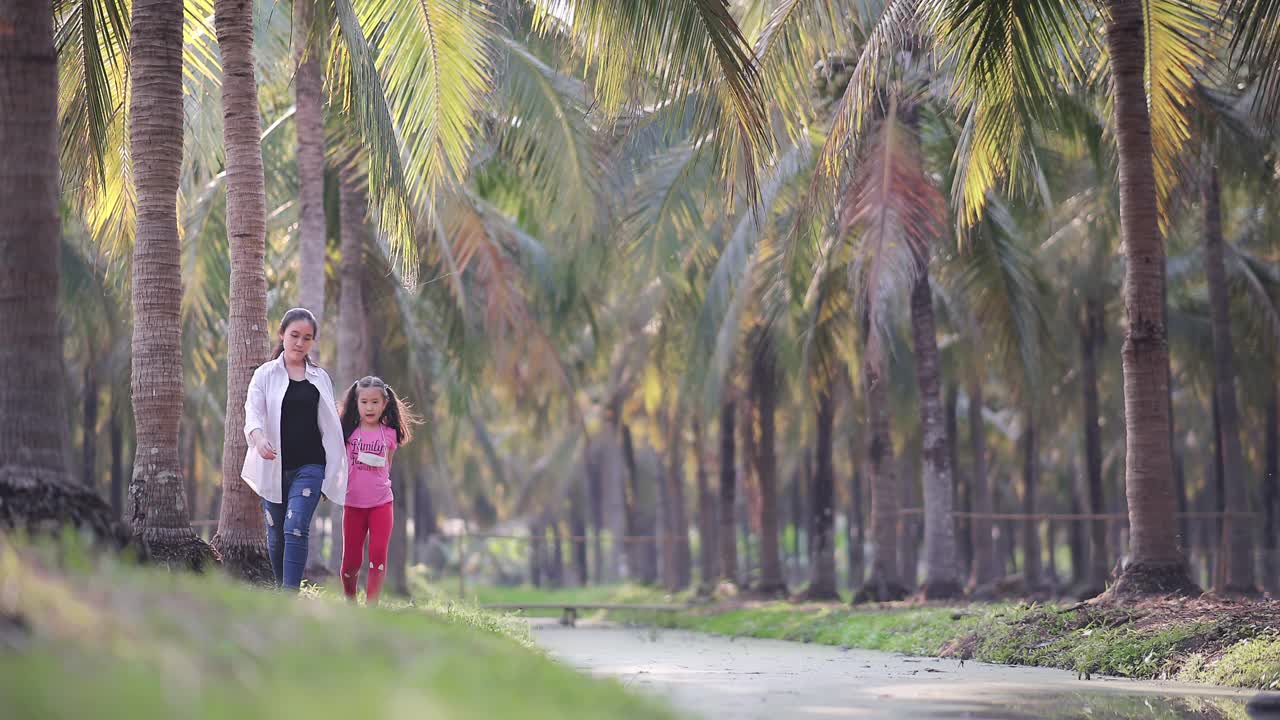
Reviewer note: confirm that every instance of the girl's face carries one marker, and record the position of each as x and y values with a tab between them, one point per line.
298	338
372	402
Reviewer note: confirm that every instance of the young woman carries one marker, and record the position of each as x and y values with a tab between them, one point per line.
296	448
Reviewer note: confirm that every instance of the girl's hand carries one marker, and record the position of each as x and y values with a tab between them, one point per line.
263	446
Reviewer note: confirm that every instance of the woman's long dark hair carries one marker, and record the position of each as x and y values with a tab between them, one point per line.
289	318
397	414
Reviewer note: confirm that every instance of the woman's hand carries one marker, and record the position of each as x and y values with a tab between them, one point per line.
263	446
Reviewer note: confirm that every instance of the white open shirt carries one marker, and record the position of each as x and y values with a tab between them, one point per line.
262	412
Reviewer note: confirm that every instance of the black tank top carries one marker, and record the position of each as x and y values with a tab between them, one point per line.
300	442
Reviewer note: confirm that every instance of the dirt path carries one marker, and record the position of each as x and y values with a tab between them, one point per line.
716	677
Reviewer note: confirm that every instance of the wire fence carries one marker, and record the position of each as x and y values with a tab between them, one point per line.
555	558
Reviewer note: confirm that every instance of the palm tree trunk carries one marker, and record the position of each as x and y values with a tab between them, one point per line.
630	504
89	424
1091	340
35	480
1240	576
960	494
116	439
157	497
822	545
857	564
309	118
727	535
398	549
884	583
1271	491
578	532
1079	546
555	576
764	386
984	568
1031	562
241	536
677	518
354	355
424	511
941	575
1157	564
707	554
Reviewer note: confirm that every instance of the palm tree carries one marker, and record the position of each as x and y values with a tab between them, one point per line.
708	550
158	507
1239	575
884	583
941	572
1157	564
36	488
765	383
354	356
822	543
983	571
241	536
309	119
1007	60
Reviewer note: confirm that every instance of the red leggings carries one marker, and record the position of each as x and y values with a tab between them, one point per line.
356	524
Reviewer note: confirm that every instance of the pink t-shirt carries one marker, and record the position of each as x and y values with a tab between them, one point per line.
369	485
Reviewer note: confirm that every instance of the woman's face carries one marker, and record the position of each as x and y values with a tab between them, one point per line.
298	337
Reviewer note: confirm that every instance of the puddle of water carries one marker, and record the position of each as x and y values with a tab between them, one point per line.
1106	706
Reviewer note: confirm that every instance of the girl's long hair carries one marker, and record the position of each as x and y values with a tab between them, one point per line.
397	415
289	318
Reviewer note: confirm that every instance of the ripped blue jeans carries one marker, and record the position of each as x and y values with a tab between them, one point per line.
289	523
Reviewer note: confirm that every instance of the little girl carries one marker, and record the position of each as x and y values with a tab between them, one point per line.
374	423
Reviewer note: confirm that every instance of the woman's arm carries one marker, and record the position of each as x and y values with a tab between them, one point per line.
255	414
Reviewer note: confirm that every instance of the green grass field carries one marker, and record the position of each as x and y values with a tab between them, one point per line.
82	638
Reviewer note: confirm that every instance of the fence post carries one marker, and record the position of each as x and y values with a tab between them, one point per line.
1224	555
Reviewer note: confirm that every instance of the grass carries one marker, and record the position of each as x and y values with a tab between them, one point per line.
83	637
1216	645
593	594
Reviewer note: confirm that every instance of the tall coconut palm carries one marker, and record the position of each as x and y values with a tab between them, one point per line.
1008	59
727	533
822	543
1239	571
942	573
36	489
241	536
765	385
354	354
308	117
156	492
885	582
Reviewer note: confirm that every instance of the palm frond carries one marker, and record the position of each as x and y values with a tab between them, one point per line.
413	75
545	138
1003	292
665	208
896	213
1256	41
796	34
92	44
734	285
666	50
859	106
1009	56
1178	57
